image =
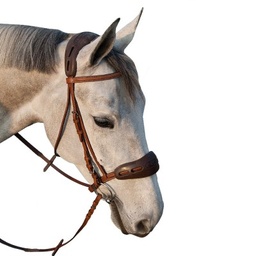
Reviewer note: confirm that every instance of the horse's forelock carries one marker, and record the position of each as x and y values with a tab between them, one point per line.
123	64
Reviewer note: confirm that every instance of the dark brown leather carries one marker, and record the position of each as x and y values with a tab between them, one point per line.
141	168
75	44
48	161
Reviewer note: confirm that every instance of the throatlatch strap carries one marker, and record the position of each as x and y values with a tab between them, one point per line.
41	155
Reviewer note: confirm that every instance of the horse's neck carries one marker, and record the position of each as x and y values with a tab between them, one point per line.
18	91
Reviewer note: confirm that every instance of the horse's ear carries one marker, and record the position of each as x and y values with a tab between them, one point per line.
125	35
93	53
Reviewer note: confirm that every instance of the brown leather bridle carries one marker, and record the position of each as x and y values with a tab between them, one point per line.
143	167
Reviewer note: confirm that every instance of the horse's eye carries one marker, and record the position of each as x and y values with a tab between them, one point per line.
103	122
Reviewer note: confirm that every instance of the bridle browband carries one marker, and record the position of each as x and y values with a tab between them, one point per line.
143	167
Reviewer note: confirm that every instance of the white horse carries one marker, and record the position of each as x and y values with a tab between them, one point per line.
33	89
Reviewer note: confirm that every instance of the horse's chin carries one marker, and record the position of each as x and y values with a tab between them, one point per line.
116	218
137	235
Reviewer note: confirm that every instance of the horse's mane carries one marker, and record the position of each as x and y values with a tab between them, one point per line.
32	48
29	48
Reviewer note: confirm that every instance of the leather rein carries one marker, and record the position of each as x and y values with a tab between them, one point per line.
143	167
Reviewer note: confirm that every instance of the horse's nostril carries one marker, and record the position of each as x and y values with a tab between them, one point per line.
143	227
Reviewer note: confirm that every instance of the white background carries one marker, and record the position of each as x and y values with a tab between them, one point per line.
197	64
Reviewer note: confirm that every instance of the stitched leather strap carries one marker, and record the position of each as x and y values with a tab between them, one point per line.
61	243
95	78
